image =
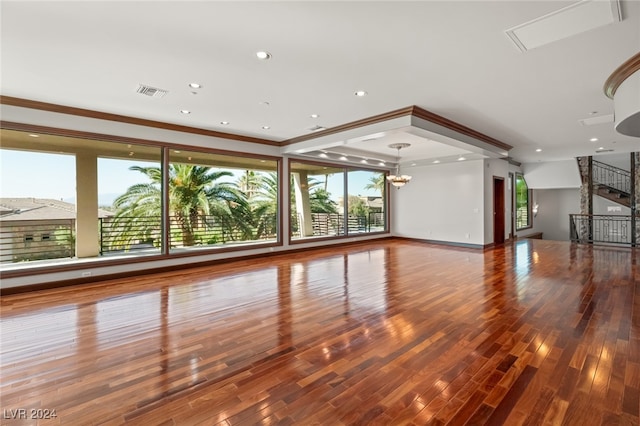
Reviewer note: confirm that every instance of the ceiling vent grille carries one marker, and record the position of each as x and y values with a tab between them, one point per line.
603	119
153	92
574	19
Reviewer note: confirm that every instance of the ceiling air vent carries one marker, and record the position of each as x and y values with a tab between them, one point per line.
603	119
600	151
576	18
154	92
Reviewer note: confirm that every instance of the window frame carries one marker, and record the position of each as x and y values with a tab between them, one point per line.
529	204
165	147
345	169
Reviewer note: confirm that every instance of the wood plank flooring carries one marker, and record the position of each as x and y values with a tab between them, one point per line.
389	332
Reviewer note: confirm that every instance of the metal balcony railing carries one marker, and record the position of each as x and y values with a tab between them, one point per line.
607	229
332	224
55	239
119	234
23	241
611	177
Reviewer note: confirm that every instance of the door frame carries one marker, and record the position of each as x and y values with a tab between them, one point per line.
512	214
498	210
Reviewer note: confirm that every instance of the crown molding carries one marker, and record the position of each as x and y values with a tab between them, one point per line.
81	112
621	73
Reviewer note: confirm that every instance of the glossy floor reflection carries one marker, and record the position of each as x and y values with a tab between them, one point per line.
388	332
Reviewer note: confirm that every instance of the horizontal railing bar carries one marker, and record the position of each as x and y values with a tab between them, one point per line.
609	229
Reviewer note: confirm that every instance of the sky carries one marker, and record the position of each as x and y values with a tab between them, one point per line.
40	175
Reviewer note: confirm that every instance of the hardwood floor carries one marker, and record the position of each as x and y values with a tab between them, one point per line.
390	332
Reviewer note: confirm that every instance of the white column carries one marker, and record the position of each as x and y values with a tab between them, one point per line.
87	244
303	205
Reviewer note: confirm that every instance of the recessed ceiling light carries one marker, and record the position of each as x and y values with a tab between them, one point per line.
185	111
461	158
602	147
343	158
264	55
539	150
593	140
323	155
436	161
224	123
266	127
364	161
381	163
314	116
195	86
33	135
360	93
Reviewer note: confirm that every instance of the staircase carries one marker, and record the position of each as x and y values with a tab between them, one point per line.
612	183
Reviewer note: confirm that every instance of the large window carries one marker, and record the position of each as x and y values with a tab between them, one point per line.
366	207
217	200
320	207
317	200
128	199
66	198
523	204
37	214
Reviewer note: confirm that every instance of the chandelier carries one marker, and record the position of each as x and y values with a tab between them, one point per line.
398	179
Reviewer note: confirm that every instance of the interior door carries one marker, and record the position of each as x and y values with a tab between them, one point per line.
498	210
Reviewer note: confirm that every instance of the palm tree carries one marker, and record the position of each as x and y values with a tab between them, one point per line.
320	202
249	183
265	205
377	183
193	191
326	180
266	197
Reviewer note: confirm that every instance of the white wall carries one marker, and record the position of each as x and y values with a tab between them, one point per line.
622	161
601	206
443	202
552	174
555	205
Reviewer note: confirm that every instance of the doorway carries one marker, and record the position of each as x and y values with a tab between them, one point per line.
498	210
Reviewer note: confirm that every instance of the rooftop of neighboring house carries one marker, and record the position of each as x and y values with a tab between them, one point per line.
29	208
374	202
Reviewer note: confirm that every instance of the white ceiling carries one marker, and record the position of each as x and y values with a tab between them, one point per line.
452	58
